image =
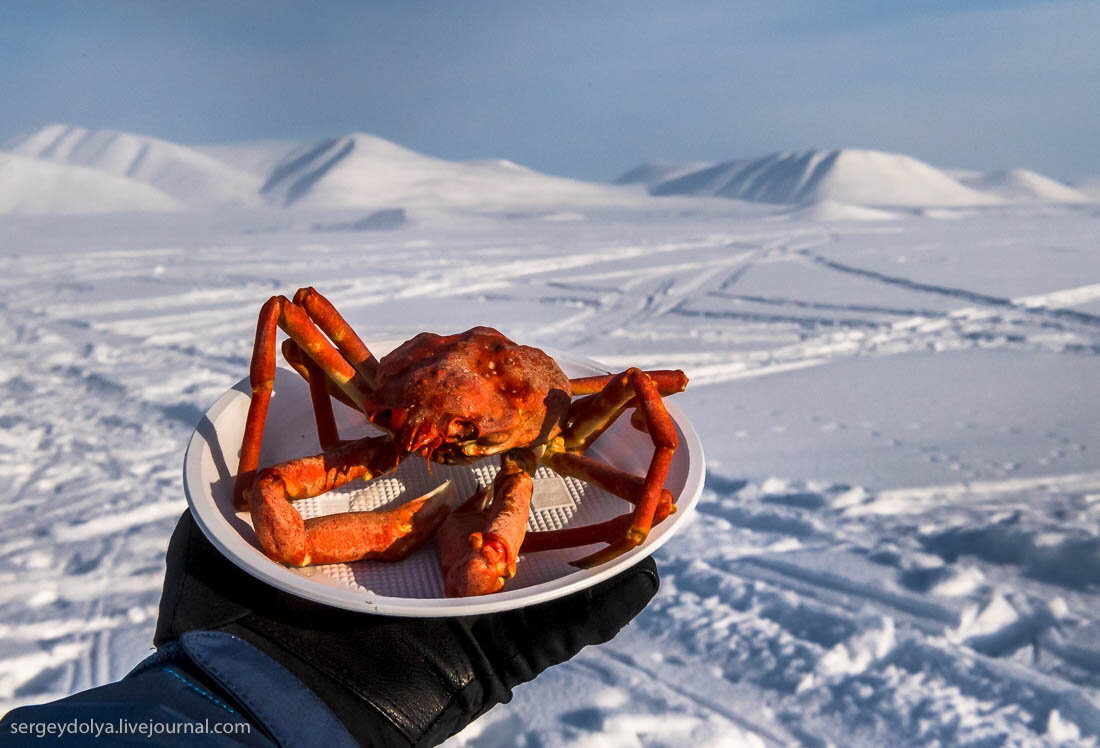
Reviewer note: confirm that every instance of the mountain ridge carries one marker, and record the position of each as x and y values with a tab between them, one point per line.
31	186
361	171
855	176
1023	185
184	173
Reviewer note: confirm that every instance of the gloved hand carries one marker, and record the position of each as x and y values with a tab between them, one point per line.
391	681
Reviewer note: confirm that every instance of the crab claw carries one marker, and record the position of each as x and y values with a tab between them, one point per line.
383	535
473	562
388	535
479	542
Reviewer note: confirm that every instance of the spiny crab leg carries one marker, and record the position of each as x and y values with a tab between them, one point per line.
623	485
668	381
615	481
594	415
278	312
350	345
478	545
347	536
572	537
327	434
298	359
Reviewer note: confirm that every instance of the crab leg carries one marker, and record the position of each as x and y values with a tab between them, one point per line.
571	537
278	311
590	416
624	485
594	415
478	546
261	376
295	322
339	332
298	359
348	536
668	381
383	535
327	434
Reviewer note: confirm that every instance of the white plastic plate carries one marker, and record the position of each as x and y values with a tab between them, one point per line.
414	586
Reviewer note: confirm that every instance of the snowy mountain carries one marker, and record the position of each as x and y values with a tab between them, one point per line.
845	176
1021	185
343	172
35	186
353	171
364	172
653	173
360	170
186	174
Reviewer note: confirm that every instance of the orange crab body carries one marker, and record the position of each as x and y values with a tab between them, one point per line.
463	397
452	399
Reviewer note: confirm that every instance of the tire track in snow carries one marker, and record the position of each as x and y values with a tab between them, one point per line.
782	301
946	331
920	499
694	685
1039	303
671	283
237	308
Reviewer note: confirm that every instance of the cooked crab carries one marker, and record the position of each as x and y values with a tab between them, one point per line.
453	399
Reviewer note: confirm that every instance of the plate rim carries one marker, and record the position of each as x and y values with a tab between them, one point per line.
217	529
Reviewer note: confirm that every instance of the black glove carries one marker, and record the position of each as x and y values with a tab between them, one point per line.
391	681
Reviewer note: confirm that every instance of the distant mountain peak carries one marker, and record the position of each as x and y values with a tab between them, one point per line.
1023	185
853	176
361	170
30	185
186	174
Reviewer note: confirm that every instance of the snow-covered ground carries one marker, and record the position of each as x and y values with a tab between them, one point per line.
899	539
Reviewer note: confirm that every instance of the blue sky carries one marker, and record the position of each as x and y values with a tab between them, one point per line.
585	89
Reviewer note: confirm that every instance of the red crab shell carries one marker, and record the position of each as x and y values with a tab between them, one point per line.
457	398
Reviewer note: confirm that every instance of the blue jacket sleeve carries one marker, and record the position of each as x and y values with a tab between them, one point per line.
209	688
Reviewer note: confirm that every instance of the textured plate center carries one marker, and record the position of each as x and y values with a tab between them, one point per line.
550	493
